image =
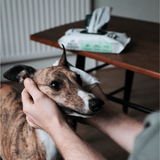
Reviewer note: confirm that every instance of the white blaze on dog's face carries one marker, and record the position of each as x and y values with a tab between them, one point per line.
64	87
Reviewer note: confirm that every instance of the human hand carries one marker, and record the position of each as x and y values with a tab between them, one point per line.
40	110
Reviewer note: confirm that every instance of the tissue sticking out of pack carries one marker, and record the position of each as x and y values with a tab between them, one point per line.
100	17
95	39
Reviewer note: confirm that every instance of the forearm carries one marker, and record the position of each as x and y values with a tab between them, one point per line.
120	127
70	145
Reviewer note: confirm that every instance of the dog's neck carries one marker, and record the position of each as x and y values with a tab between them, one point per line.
50	147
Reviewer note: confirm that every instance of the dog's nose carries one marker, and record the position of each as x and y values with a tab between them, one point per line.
95	104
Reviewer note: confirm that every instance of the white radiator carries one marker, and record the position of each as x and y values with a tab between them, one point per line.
21	18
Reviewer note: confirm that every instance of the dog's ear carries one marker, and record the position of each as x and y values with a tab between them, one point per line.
19	72
63	60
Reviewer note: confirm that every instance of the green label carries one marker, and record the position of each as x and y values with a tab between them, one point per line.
96	46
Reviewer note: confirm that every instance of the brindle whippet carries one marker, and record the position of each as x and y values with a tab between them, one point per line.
19	141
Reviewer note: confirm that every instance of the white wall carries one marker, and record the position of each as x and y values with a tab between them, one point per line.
147	10
35	16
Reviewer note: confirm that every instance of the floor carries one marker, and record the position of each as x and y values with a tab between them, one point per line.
145	92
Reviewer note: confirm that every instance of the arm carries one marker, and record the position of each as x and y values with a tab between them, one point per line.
43	113
120	127
70	145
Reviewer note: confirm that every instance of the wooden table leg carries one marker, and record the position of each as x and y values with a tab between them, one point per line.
128	87
80	62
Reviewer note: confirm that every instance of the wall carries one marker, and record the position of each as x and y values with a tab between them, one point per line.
147	10
20	19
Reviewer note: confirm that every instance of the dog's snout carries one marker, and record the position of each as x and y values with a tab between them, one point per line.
95	104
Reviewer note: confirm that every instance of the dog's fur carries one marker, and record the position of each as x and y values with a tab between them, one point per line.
19	141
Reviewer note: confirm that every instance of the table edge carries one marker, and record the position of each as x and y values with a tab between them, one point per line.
102	59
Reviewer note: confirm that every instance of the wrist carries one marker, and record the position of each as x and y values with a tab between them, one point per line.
55	123
106	117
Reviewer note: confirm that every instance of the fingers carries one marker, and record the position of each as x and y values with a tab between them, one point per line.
31	88
27	94
26	98
97	91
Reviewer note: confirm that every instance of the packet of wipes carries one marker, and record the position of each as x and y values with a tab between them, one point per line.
95	38
112	42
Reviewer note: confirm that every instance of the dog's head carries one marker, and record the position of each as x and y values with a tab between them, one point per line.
60	84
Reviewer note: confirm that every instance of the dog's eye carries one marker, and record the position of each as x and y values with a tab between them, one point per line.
55	85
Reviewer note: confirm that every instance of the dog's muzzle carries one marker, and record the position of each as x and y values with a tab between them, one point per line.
95	104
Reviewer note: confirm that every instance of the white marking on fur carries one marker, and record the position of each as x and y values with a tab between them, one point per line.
51	150
92	95
79	115
86	97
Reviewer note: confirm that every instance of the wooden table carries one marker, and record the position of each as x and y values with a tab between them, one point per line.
141	55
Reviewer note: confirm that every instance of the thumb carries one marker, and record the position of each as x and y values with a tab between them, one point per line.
26	100
31	88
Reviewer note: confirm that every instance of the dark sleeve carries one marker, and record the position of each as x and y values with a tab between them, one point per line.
147	143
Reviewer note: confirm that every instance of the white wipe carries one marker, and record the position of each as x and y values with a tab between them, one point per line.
88	81
100	17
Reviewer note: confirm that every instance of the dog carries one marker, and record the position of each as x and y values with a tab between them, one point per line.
19	141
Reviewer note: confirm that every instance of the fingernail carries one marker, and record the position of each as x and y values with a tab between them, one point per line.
27	80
